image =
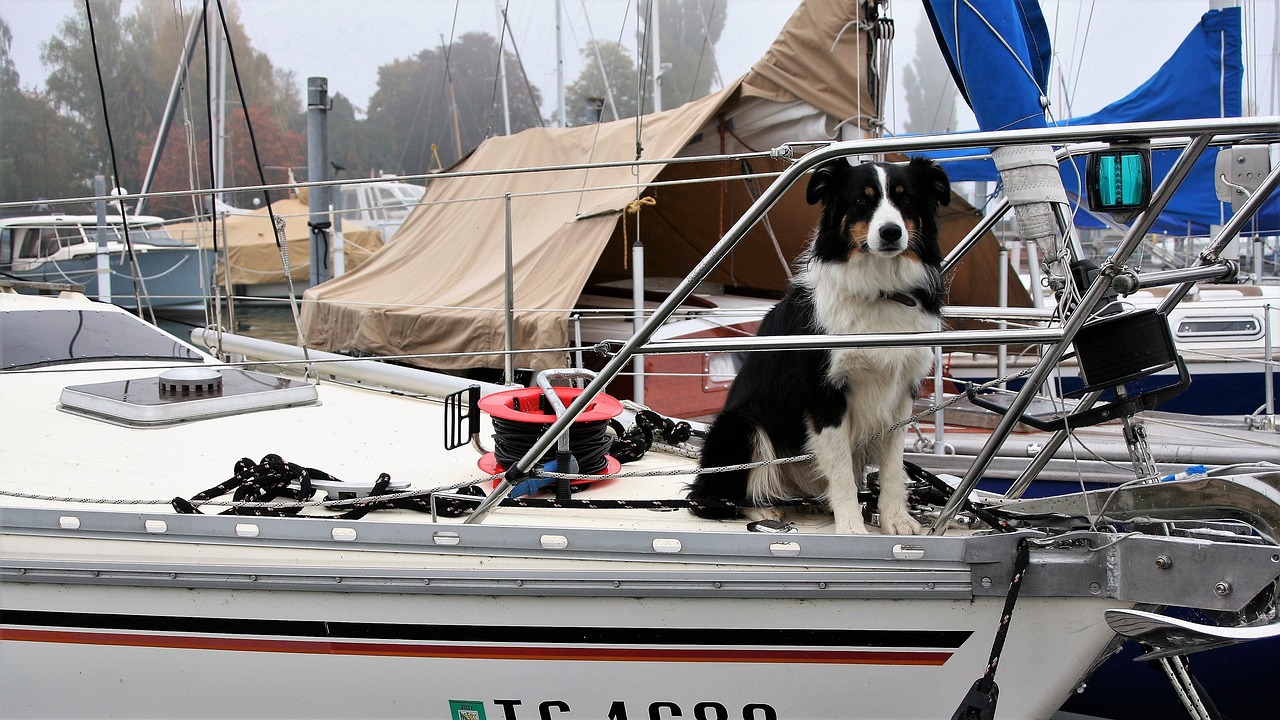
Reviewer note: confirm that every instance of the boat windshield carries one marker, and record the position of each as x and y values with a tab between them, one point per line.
156	236
37	338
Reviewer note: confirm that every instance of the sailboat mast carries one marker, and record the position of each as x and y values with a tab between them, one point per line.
560	67
656	64
457	128
502	66
171	106
218	136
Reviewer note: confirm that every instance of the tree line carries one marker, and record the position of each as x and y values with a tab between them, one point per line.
428	110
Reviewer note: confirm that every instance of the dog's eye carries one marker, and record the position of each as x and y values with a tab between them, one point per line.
905	199
861	200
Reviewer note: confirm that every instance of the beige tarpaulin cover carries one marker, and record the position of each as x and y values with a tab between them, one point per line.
818	59
251	247
439	289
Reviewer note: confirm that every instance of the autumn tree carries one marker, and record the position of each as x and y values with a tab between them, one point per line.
74	87
446	98
138	55
278	147
38	154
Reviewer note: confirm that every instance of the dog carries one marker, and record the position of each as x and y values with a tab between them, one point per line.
873	266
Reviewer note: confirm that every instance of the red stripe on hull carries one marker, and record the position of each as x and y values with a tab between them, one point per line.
480	652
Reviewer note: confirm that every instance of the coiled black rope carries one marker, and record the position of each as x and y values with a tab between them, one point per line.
260	482
588	443
631	445
274	478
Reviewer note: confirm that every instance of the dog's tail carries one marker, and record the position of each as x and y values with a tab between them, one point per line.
732	440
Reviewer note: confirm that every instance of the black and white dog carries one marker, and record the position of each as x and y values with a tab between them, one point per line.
872	267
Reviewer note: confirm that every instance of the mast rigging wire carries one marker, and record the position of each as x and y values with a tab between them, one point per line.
528	86
702	53
499	77
422	98
277	224
604	75
595	137
212	310
213	180
646	45
115	173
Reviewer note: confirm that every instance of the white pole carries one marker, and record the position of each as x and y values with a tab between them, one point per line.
1002	353
1033	275
939	423
345	367
1268	377
221	145
576	319
339	245
637	300
656	65
510	364
104	258
211	61
502	66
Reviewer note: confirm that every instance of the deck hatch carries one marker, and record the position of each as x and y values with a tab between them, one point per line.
151	402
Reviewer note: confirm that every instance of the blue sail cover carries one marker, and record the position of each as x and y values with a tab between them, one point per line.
1202	79
999	56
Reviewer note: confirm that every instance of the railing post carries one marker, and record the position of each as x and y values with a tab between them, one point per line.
509	363
1268	356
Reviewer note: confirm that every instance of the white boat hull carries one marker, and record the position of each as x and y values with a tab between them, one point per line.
210	653
170	615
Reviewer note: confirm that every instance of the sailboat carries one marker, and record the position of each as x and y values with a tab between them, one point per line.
373	539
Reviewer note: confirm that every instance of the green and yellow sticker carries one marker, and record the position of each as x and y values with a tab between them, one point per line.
466	709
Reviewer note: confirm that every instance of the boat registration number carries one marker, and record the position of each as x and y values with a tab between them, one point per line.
619	710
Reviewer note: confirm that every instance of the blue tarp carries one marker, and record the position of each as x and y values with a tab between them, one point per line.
1202	79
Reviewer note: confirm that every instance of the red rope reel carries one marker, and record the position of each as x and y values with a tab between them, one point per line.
512	410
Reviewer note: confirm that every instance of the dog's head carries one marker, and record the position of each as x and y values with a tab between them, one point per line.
884	209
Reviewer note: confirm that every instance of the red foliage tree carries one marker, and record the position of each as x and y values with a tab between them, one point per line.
279	149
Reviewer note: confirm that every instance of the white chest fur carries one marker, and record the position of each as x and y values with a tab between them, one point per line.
848	299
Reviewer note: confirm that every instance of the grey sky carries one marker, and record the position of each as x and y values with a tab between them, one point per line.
347	41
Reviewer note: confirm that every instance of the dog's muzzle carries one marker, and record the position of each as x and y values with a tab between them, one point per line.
891	240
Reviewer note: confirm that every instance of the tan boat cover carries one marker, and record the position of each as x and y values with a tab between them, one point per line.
251	250
438	291
818	58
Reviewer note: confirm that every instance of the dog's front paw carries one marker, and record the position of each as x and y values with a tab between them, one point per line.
849	525
899	523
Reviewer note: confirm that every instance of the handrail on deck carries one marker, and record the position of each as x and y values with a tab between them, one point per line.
1201	133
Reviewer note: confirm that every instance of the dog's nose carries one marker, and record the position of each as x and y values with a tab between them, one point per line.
890	235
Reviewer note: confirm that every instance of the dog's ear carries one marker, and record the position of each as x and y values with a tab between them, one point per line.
935	178
825	179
